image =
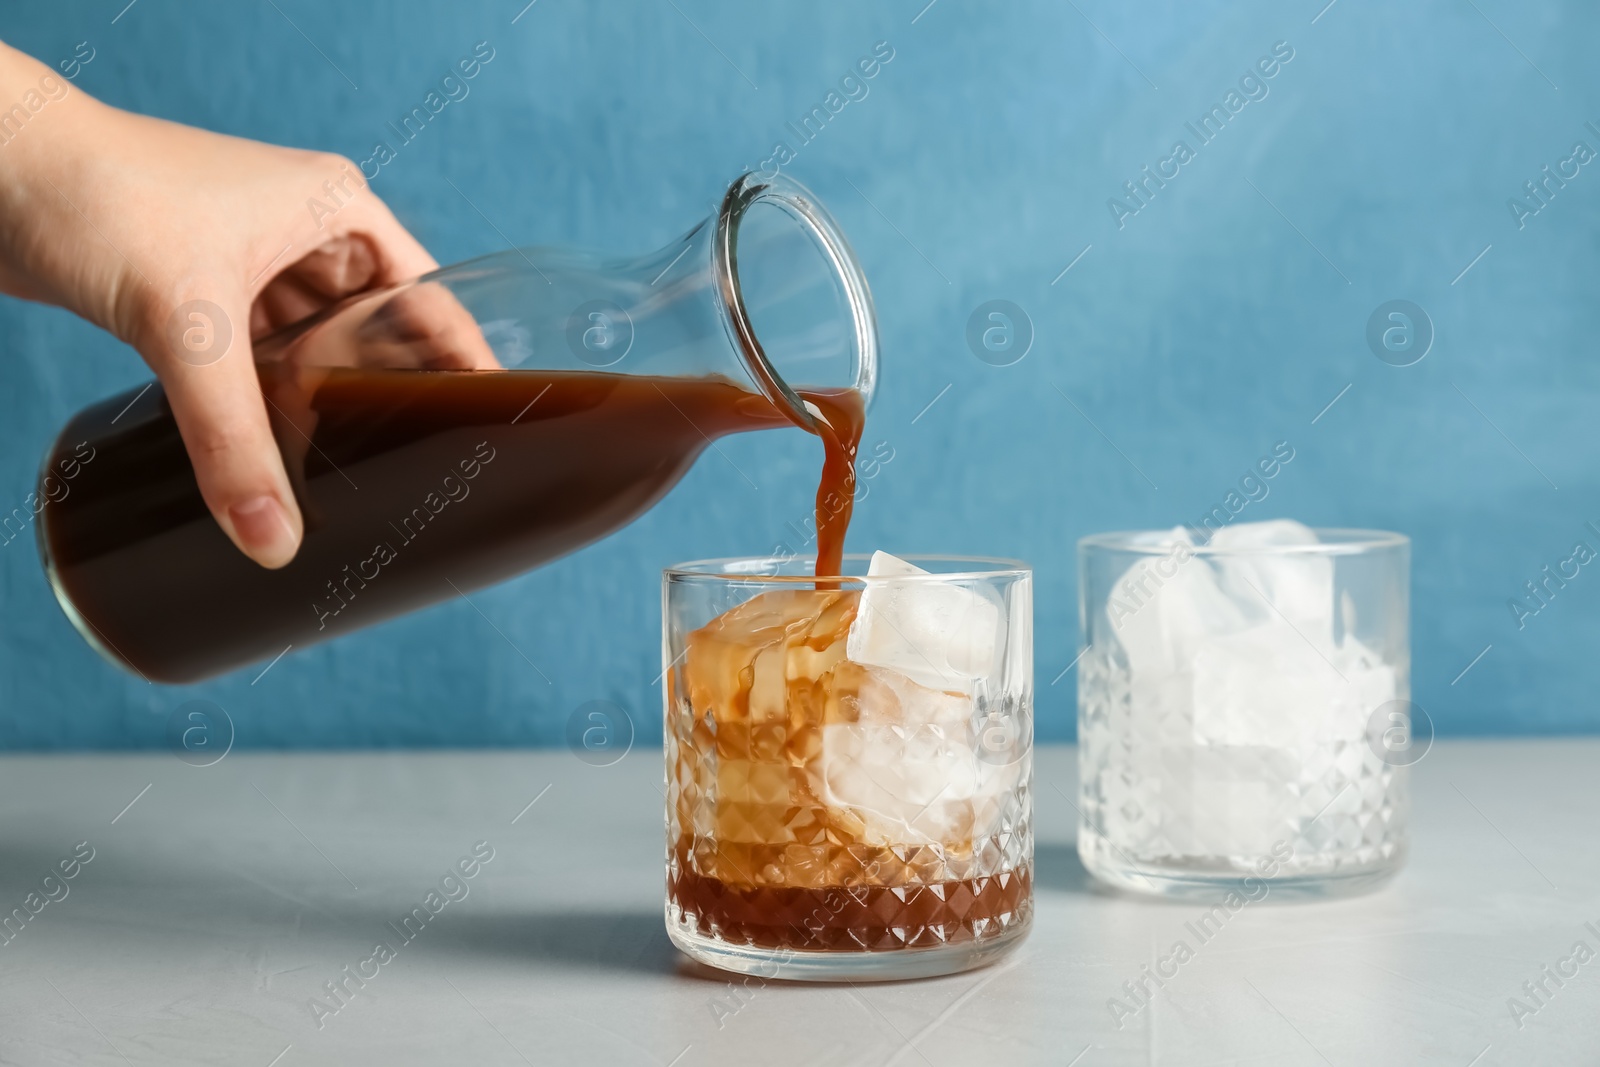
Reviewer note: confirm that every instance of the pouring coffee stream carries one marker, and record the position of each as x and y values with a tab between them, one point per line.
461	429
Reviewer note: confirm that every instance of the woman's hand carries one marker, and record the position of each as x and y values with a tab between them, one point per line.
188	245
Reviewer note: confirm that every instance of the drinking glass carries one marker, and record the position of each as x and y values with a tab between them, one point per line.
1244	721
849	765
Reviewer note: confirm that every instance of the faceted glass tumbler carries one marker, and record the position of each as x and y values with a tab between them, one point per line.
1243	711
848	766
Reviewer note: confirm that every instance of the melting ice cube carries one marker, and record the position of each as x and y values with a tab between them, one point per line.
938	634
901	756
1295	586
1166	607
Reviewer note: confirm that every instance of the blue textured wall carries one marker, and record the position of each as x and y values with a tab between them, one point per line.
1220	318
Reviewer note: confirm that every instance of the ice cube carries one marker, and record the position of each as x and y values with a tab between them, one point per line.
1272	533
740	665
1227	801
756	679
1165	607
1267	686
902	758
1295	586
1285	682
1268	719
1241	684
938	634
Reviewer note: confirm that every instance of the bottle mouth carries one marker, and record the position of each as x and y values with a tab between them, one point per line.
797	304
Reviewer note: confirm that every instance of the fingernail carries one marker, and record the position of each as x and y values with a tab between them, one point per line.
263	527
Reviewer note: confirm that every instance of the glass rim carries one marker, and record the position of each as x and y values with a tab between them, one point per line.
803	206
1333	541
983	568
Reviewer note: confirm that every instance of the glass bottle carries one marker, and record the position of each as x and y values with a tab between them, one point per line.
456	430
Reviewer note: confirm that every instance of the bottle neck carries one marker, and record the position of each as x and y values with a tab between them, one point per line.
767	293
796	306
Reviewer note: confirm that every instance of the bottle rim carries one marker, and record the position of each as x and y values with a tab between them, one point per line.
803	206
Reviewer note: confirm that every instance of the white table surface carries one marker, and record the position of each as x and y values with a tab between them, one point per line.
218	904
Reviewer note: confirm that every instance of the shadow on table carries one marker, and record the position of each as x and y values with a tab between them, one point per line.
24	862
633	941
1057	869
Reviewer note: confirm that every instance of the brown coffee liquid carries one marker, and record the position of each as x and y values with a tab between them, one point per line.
416	486
843	419
865	918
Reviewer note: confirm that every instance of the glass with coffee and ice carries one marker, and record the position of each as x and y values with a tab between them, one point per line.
849	764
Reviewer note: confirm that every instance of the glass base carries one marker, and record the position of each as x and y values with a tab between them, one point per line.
1211	878
792	965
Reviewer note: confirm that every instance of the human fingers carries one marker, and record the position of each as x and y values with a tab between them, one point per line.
203	358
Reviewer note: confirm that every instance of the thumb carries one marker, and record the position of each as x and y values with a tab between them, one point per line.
202	355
